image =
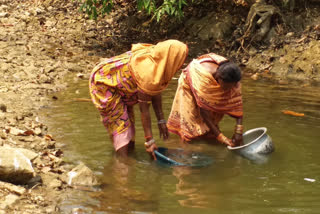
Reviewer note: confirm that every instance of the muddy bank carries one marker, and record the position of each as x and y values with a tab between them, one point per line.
39	47
295	61
43	43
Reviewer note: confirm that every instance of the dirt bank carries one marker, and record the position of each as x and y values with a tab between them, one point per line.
44	42
39	47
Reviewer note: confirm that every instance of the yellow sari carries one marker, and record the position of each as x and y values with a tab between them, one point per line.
197	89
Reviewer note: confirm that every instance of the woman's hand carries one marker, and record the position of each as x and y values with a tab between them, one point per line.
237	139
223	139
229	142
150	149
163	130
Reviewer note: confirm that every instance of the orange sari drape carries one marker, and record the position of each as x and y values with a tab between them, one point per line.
153	66
198	89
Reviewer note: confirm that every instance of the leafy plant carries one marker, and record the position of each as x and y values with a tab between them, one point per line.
156	8
94	8
168	7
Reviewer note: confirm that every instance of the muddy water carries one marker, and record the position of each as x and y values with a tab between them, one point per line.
231	184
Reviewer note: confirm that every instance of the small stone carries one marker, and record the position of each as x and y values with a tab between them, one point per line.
37	131
50	209
252	51
39	198
16	131
81	175
3	7
80	75
8	201
77	211
12	188
3	107
255	76
290	34
4	15
282	60
55	184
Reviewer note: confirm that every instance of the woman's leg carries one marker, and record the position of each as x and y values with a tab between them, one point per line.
129	135
126	150
124	143
116	117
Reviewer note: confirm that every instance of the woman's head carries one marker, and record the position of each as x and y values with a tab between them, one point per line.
153	66
228	75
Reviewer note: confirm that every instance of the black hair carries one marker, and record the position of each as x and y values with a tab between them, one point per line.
229	72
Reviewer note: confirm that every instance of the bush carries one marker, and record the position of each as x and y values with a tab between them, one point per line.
157	9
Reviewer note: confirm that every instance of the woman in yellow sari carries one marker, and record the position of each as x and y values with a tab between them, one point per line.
137	76
208	89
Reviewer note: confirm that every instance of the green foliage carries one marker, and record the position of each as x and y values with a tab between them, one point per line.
94	8
167	7
156	8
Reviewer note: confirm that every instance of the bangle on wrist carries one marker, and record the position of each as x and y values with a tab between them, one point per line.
162	121
149	143
238	132
238	129
221	138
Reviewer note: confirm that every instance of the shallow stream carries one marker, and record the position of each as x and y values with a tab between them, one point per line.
287	183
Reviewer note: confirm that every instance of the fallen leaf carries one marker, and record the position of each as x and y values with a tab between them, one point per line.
28	133
48	137
6	25
293	113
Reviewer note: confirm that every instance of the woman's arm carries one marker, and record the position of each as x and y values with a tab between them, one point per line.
144	103
237	136
162	124
214	128
206	117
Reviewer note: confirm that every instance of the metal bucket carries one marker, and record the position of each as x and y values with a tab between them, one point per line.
256	145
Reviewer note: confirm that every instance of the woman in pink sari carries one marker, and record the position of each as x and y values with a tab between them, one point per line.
137	76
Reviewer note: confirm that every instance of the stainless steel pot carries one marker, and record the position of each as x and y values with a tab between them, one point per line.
256	145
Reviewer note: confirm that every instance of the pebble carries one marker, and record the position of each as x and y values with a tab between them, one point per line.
3	107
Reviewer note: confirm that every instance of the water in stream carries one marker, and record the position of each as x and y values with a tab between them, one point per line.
231	184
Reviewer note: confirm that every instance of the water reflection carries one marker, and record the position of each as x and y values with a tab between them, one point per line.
119	194
190	192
